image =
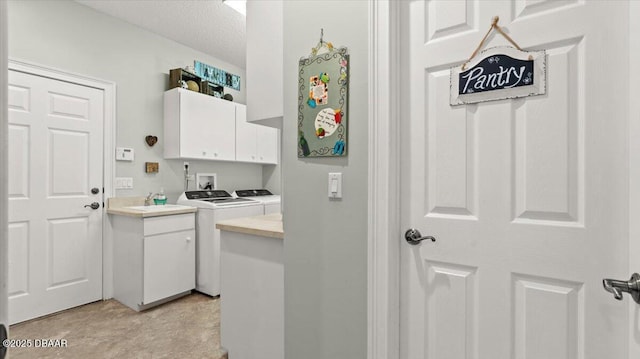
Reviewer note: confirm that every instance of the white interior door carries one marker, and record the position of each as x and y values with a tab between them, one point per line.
528	198
55	160
4	277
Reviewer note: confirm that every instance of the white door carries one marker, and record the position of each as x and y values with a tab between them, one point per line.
55	160
4	278
527	198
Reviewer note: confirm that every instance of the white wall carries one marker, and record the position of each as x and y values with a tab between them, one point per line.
4	261
272	174
72	37
326	241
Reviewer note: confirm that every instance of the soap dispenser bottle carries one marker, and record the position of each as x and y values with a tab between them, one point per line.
161	198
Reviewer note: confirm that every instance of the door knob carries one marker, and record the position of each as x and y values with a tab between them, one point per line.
94	205
414	237
617	287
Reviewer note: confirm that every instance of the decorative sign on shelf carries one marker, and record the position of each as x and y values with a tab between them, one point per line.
322	102
498	73
217	76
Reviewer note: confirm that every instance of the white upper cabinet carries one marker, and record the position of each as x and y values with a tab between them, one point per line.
198	126
267	144
246	139
255	143
264	80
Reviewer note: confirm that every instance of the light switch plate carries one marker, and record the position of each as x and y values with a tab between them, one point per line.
335	185
124	183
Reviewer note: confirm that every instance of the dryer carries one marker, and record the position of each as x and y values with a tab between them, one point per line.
214	206
270	201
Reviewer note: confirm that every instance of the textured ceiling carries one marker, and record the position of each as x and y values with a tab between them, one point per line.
205	25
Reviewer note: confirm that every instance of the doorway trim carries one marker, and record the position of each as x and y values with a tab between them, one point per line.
384	232
383	296
109	141
634	170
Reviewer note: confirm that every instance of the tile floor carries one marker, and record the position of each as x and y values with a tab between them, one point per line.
188	327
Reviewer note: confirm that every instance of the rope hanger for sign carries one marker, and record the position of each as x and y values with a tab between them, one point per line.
494	25
321	44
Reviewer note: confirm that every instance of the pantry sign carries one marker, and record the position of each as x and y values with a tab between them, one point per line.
499	73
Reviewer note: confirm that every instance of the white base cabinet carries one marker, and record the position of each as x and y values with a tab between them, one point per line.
154	258
252	296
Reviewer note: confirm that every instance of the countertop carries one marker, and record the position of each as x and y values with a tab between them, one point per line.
269	225
122	206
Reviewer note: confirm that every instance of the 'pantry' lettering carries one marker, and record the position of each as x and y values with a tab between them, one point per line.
504	78
494	73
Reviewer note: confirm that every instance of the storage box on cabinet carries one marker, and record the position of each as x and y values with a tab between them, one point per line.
177	76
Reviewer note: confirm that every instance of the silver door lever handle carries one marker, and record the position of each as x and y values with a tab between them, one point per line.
617	287
414	237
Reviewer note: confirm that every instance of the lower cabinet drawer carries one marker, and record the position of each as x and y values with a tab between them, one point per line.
164	224
169	264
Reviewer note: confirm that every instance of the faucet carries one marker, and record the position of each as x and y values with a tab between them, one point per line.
149	199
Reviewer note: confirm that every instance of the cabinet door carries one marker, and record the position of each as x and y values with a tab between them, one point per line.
267	144
246	136
207	127
169	265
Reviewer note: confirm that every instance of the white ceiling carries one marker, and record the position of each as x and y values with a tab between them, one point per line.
205	25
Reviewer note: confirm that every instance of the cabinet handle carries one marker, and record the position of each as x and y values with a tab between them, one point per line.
188	239
204	153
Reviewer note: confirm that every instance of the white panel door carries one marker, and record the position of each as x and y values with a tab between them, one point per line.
55	159
4	277
527	198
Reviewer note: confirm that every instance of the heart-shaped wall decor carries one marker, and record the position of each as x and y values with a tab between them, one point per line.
151	140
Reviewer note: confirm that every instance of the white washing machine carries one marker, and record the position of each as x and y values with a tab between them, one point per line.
270	201
214	206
